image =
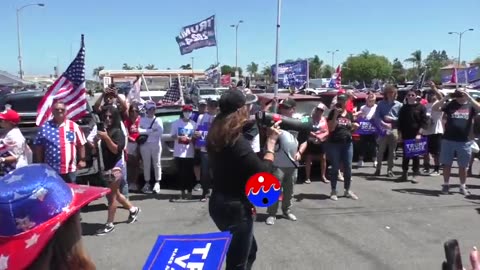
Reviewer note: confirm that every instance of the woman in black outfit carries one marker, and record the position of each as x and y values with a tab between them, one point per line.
233	162
412	117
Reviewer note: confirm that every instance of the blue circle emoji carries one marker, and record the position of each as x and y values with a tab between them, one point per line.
263	189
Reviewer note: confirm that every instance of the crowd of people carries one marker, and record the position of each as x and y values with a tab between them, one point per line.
219	148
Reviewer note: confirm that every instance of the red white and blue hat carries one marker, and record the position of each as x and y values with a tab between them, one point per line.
34	203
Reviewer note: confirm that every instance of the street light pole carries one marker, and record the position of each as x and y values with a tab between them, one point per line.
192	69
20	64
460	35
275	91
236	47
333	57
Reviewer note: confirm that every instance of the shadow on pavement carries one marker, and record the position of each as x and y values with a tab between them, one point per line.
302	196
95	208
371	177
141	197
473	197
90	228
418	191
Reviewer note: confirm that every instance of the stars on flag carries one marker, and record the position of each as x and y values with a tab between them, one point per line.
3	262
24	224
51	173
13	178
32	241
79	190
39	194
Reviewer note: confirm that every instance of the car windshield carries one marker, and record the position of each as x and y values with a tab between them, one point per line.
167	121
208	92
304	107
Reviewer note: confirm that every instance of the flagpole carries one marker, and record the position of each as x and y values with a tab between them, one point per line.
275	94
182	101
216	37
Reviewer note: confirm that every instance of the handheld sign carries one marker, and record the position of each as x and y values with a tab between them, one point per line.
365	127
197	251
202	140
413	148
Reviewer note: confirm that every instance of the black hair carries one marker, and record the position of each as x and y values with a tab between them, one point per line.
116	118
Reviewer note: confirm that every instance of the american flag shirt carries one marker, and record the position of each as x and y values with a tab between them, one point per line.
59	144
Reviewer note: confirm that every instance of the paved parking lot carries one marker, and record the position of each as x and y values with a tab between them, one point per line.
392	226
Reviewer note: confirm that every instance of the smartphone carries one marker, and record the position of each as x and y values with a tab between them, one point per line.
453	256
338	105
100	126
456	94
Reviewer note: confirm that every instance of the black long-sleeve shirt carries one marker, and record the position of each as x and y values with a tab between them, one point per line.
233	166
411	118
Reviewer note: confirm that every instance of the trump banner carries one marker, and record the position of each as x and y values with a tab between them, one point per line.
413	148
366	127
292	74
196	36
197	251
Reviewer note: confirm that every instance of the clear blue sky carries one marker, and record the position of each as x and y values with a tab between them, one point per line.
143	31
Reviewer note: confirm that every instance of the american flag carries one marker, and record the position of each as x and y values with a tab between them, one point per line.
174	94
69	88
419	83
336	79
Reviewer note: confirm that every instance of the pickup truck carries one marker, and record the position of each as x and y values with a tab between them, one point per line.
26	103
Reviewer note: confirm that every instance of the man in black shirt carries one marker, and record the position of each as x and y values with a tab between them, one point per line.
460	113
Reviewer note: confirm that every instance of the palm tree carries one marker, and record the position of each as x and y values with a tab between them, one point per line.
252	69
187	66
150	67
96	72
139	67
126	67
416	59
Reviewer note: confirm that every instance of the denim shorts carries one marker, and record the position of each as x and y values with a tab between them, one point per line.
117	173
462	150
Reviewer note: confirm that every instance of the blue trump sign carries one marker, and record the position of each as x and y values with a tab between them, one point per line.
196	36
292	74
198	251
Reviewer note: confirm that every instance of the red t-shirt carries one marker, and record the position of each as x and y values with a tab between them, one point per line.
132	128
349	106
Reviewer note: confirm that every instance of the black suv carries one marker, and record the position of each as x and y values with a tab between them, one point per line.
26	103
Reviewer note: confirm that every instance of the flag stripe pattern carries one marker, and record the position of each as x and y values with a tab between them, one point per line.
173	93
69	88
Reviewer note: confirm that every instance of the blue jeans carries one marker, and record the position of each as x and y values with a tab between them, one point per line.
206	173
341	153
448	150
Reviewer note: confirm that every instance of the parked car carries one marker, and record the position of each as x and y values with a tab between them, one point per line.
26	103
203	94
305	103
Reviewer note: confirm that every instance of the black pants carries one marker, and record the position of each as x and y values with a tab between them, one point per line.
186	174
236	217
368	147
415	166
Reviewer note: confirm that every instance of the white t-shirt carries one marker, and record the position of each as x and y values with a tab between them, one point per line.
435	125
15	145
182	128
256	143
202	120
368	112
153	136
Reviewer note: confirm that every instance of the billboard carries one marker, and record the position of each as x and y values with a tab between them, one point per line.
292	74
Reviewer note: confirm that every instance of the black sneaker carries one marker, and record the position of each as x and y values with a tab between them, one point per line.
426	171
106	229
445	189
133	216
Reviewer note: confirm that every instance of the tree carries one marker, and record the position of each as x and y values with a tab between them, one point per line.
434	62
315	67
252	68
398	72
416	59
226	69
150	67
327	71
139	67
366	67
267	71
127	67
476	60
96	71
187	66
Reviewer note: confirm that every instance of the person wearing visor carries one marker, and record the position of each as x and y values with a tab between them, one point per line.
314	147
460	113
182	132
233	162
202	108
151	147
14	151
340	148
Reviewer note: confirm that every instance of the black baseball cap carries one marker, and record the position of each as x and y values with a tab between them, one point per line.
288	103
232	100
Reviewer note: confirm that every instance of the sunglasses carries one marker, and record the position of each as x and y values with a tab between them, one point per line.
412	95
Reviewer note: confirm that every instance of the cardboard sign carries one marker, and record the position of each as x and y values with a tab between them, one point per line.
366	128
202	140
413	148
197	251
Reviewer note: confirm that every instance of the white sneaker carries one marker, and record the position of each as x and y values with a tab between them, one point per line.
375	164
156	188
360	164
147	189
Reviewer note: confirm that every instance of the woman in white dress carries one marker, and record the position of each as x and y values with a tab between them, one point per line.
14	151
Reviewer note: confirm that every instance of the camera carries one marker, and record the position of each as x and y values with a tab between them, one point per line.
300	125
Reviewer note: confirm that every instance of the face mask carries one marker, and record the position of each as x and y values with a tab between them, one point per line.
187	115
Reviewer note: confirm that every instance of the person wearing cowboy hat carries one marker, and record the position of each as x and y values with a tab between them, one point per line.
40	227
14	151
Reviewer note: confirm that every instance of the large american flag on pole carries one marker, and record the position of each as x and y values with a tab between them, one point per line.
174	94
69	88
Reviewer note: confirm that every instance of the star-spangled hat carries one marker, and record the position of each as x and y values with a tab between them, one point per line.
34	203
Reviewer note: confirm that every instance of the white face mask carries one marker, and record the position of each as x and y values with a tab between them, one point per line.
187	115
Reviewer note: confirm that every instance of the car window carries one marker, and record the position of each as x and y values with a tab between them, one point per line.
304	106
167	121
208	92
